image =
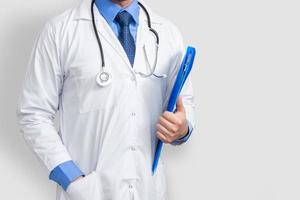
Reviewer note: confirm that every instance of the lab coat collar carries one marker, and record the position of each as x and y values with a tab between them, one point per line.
109	10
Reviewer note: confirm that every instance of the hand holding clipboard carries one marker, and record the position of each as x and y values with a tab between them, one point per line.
184	71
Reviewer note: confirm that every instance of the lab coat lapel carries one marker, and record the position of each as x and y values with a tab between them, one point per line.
145	46
107	34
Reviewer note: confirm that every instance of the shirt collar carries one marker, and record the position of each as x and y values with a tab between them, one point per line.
109	10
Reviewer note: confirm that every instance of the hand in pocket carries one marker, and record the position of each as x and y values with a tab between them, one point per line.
84	188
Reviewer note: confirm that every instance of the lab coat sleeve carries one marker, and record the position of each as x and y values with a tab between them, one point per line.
187	90
39	101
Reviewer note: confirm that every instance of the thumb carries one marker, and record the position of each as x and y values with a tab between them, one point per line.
179	105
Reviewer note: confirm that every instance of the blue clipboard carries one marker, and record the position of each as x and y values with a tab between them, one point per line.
183	73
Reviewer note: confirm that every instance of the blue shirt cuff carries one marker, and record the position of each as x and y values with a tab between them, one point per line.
186	137
65	173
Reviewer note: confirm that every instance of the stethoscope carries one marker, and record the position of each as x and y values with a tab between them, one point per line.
104	77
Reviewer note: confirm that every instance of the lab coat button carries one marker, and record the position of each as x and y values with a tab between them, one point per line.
132	148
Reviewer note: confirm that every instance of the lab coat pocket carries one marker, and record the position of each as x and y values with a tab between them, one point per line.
84	189
93	97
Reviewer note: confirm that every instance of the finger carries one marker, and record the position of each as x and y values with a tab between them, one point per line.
164	131
168	125
171	117
162	137
179	105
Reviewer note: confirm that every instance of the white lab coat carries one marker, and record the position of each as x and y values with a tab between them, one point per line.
110	131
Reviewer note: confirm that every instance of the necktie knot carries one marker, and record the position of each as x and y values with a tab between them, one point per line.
123	18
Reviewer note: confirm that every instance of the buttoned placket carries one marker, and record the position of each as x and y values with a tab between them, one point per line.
133	114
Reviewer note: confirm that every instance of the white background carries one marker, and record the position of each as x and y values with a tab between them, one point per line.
246	83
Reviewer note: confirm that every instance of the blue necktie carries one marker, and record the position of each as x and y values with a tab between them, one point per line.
125	37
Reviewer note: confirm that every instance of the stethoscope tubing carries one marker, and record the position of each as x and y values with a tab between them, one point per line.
98	38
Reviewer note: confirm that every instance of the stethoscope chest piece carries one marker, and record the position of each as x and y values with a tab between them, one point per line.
103	78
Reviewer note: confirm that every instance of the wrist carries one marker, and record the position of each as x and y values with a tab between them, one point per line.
185	132
80	177
65	173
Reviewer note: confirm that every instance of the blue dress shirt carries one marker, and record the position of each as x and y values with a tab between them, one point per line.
109	11
67	172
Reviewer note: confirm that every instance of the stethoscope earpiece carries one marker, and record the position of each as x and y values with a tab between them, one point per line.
160	76
164	76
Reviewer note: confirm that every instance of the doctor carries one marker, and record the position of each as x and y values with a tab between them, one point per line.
108	67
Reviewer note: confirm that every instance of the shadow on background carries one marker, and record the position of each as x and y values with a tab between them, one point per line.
16	44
